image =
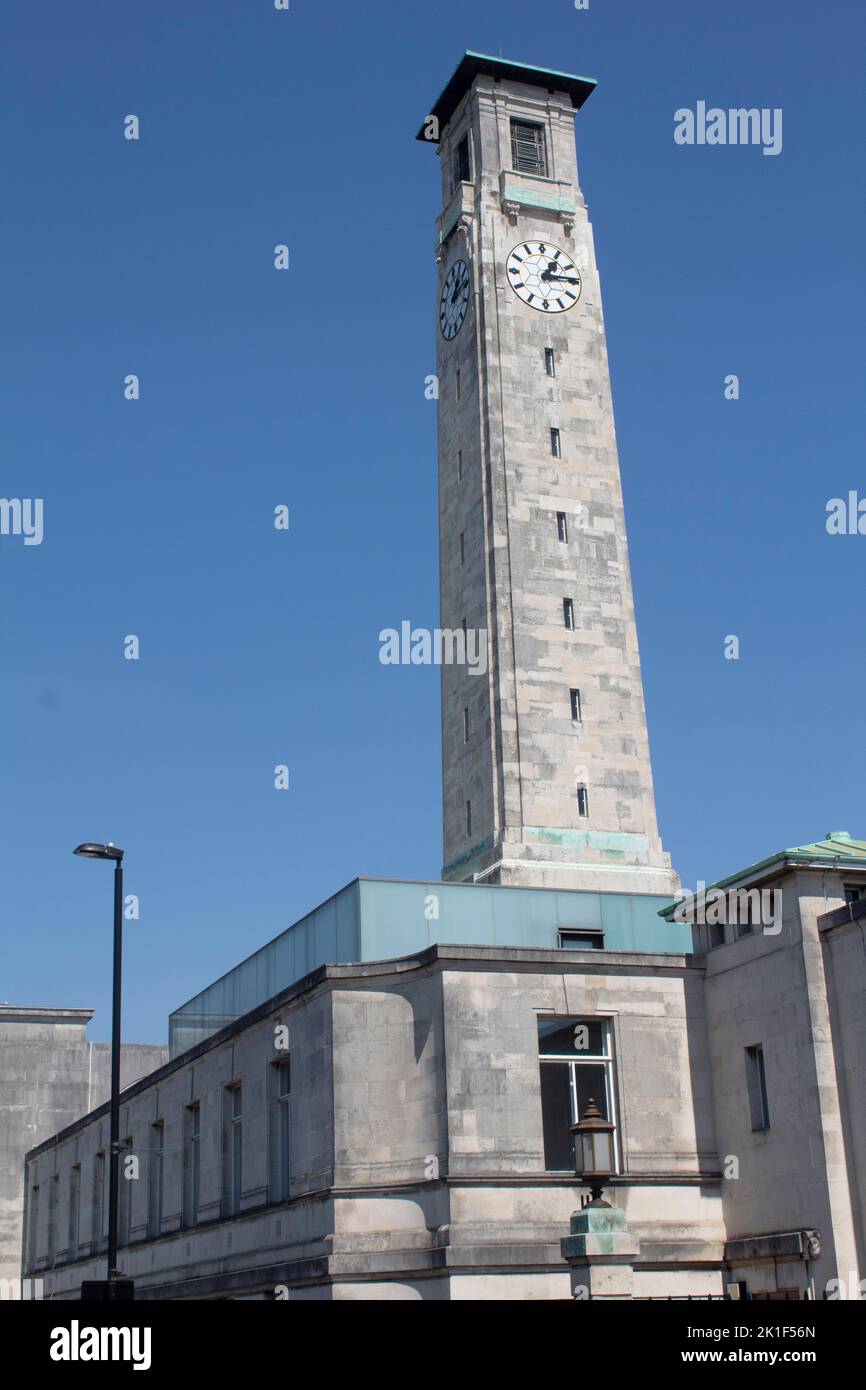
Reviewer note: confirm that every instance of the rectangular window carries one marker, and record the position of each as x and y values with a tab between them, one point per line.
98	1213
555	446
715	935
568	613
33	1228
232	1148
460	168
280	1129
576	1067
468	818
582	940
74	1210
191	1163
464	629
756	1081
575	706
582	800
124	1195
462	548
527	148
460	465
457	380
466	724
549	362
852	893
155	1179
562	527
53	1189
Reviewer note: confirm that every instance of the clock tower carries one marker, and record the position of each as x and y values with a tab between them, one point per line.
547	779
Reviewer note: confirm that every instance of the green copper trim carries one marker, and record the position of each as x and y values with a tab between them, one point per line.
838	850
538	199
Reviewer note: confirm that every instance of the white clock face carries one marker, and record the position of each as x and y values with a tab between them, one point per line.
544	276
454	300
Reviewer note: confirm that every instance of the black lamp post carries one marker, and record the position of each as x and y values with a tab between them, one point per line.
114	1288
594	1152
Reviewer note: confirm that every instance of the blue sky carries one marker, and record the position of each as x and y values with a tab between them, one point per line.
307	388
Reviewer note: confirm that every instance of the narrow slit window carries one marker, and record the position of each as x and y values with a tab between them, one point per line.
460	465
562	527
555	444
568	613
466	724
582	800
469	818
458	383
756	1081
462	548
575	706
550	361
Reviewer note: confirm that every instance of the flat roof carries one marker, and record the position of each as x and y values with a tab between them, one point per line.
472	65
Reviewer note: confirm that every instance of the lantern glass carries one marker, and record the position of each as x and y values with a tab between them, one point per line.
603	1151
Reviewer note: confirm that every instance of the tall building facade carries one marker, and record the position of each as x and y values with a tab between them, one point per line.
546	764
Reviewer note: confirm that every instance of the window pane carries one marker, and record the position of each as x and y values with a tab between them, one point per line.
556	1117
590	1083
558	1037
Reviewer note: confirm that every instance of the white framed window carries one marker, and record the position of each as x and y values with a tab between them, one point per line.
576	1062
555	444
550	361
576	715
562	527
582	799
568	613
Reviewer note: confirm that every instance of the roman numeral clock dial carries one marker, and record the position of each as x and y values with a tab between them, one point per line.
454	300
543	276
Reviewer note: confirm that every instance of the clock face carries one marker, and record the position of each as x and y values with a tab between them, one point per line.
454	300
544	276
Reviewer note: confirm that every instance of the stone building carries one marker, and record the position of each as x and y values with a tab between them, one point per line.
377	1104
50	1075
399	1128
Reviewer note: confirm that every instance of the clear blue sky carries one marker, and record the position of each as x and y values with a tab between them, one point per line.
307	388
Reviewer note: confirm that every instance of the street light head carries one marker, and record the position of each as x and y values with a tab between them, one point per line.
89	851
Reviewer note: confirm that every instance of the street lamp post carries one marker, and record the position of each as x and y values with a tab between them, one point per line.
114	1287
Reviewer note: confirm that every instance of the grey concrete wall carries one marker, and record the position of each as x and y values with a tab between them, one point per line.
845	972
770	990
50	1075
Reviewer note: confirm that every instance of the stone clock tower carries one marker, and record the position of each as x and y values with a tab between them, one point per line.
546	765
